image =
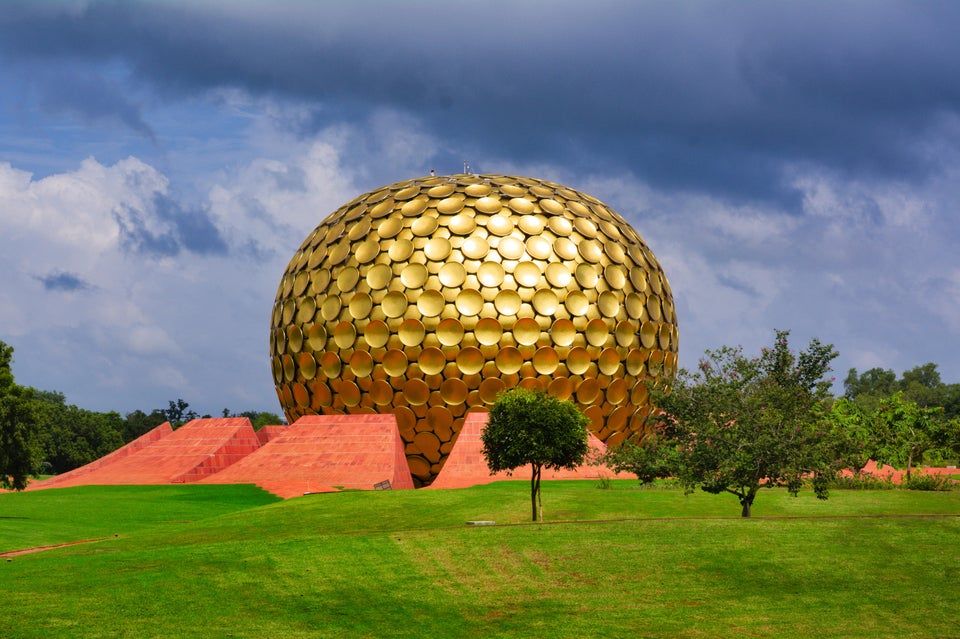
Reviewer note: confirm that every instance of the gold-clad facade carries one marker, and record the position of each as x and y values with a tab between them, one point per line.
429	297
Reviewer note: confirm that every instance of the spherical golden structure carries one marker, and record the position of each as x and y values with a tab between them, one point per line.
427	298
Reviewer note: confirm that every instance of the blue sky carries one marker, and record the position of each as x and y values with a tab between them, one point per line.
793	165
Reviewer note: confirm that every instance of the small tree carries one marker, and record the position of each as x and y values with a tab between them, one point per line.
906	431
740	424
531	427
19	446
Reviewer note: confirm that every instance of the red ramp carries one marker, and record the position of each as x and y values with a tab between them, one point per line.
188	454
267	433
71	477
325	453
466	465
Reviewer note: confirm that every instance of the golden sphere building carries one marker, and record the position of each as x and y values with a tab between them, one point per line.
428	297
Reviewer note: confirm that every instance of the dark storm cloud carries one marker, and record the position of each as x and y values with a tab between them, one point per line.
166	228
715	97
63	281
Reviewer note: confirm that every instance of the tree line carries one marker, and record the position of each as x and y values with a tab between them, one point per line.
40	432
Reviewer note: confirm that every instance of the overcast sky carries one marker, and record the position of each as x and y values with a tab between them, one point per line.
792	165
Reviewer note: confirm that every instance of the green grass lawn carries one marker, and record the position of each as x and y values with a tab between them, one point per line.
641	563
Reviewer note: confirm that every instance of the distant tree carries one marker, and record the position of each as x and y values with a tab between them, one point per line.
531	427
19	445
259	419
875	381
137	423
741	424
905	431
179	413
651	459
73	436
853	433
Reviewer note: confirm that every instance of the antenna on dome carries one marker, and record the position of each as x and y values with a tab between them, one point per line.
466	167
433	173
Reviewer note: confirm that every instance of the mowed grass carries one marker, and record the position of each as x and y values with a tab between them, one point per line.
639	563
44	517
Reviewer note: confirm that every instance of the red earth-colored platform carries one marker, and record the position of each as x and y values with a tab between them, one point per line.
267	433
325	453
466	465
72	477
188	454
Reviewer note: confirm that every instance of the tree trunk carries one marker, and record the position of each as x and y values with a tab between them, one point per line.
747	502
539	495
909	463
534	489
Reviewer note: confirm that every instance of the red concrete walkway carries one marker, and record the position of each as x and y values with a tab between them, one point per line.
466	465
71	478
325	453
188	454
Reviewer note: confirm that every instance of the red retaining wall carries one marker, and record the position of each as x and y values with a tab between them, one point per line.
325	453
466	465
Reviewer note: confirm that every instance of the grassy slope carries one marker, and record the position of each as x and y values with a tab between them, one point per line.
403	564
48	517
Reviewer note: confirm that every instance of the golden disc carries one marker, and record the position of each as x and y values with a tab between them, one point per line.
635	306
461	224
634	361
617	419
430	303
507	302
531	224
597	332
558	275
590	250
470	360
366	251
411	332
560	225
546	360
469	302
478	190
360	306
488	331
330	364
490	388
361	363
307	365
424	226
509	360
499	224
437	248
382	208
488	204
321	394
338	252
432	361
521	206
510	248
609	361
399	251
413	208
538	247
407	193
379	276
616	276
450	205
413	275
551	206
655	362
563	332
545	302
527	274
578	360
395	362
294	338
653	308
586	228
300	395
289	368
394	304
616	392
316	337
561	387
330	309
475	248
664	338
625	333
576	303
300	283
526	331
640	393
587	276
450	332
390	227
453	391
452	274
615	252
344	334
638	277
576	207
608	304
381	392
289	308
376	334
587	391
441	191
490	274
565	249
648	334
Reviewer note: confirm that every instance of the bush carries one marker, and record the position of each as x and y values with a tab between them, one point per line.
923	481
862	482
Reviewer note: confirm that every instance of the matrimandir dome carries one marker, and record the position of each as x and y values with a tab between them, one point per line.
428	297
